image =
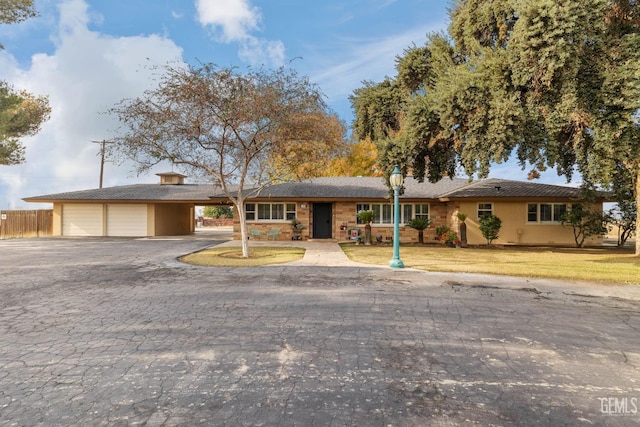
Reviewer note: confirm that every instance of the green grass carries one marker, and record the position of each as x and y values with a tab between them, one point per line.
232	257
592	264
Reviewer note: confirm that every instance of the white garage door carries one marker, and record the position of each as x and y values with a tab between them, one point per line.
127	220
81	220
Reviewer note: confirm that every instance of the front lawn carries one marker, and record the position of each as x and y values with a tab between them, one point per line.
232	257
593	264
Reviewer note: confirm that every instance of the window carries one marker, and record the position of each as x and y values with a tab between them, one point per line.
291	211
546	212
270	211
384	212
558	212
422	211
485	209
250	211
407	213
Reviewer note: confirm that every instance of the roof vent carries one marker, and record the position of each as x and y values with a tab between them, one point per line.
497	187
171	178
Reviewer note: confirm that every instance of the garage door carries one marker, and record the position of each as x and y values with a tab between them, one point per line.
82	219
127	220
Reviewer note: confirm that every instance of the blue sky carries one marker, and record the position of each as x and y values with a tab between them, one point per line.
88	54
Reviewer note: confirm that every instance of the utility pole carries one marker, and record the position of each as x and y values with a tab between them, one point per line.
102	146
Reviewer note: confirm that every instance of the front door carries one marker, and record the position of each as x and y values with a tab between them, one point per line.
322	214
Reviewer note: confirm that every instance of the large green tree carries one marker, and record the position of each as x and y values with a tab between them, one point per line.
225	125
21	113
555	84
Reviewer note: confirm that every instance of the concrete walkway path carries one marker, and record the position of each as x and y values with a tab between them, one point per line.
325	253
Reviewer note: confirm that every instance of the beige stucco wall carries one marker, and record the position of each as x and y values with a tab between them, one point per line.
515	228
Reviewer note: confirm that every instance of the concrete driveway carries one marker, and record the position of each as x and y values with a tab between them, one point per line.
117	332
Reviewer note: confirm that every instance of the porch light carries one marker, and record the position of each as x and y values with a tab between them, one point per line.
396	179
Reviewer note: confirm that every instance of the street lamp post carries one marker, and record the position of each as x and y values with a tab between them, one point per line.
396	180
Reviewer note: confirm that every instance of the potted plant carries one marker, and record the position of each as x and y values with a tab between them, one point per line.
441	232
420	223
462	228
446	235
367	217
450	238
297	229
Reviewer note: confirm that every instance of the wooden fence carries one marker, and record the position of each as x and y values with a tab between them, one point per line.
27	223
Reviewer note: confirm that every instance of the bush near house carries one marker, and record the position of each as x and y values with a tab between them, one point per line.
585	223
420	223
490	227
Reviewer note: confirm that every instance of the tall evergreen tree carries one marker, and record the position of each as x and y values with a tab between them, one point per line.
556	84
21	113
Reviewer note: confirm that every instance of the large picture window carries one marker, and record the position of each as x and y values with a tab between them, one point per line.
270	211
546	212
384	212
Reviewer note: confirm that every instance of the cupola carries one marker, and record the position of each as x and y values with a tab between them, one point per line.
171	178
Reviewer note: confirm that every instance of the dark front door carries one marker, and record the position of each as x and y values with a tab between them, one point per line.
322	220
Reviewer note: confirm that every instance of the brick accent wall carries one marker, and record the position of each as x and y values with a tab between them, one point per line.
344	220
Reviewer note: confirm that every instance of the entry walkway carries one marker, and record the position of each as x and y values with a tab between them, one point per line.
317	253
320	253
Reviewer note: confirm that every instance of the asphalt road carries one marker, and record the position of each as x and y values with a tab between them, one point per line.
117	332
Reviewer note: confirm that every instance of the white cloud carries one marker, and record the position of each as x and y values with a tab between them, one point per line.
86	74
236	18
235	21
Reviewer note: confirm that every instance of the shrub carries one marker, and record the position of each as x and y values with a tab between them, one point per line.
440	231
420	223
585	223
218	212
449	236
490	227
366	216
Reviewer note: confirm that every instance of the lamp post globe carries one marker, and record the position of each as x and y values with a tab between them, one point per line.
395	180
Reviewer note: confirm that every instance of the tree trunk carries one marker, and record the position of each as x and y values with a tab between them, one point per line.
244	236
367	234
420	236
463	233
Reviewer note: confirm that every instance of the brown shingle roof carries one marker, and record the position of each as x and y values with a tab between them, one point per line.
138	192
357	188
330	188
501	188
